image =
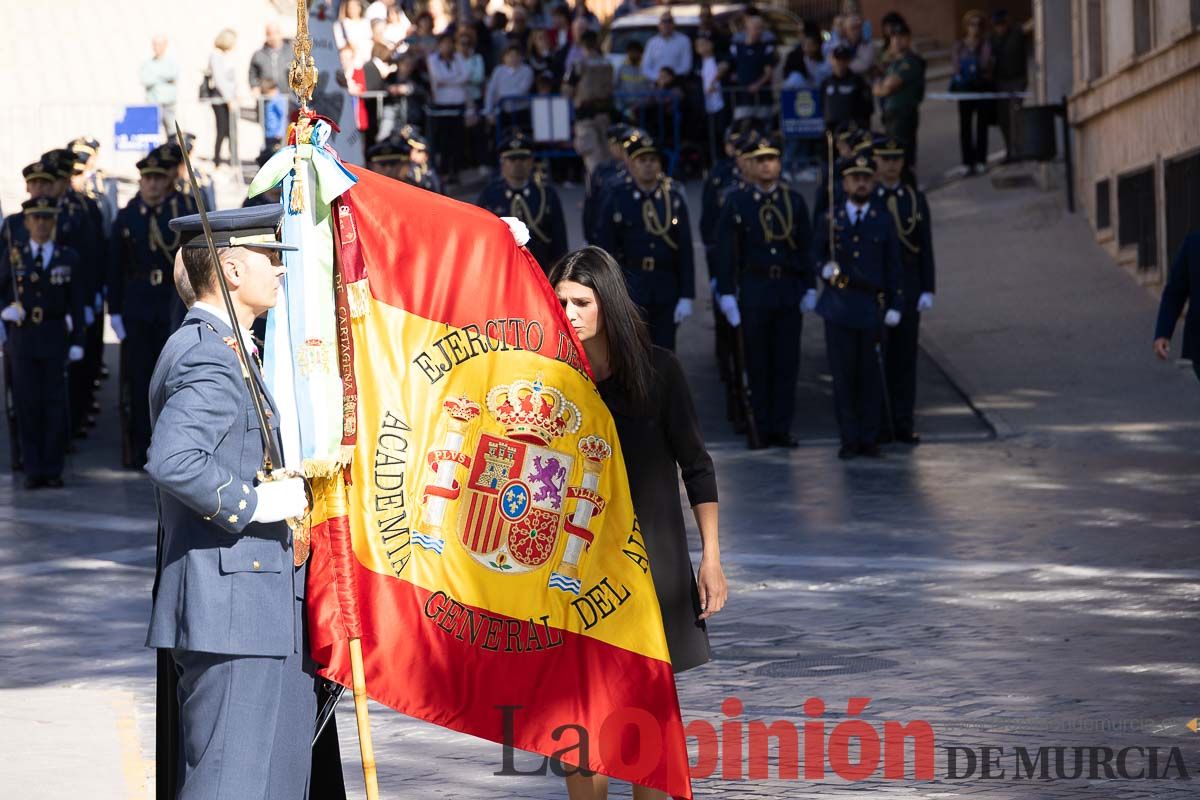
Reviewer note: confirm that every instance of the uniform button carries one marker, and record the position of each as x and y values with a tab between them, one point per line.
856	254
256	565
856	238
772	251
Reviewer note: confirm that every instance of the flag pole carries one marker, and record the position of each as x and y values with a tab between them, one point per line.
302	78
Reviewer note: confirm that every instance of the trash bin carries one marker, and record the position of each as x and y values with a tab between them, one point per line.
1039	140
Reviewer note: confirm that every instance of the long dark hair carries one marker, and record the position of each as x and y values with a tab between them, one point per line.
624	328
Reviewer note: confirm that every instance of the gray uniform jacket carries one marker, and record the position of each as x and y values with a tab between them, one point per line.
225	585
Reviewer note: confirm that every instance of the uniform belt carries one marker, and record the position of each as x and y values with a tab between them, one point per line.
154	276
859	285
773	272
38	315
649	264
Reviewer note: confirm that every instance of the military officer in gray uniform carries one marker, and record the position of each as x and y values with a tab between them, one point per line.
227	599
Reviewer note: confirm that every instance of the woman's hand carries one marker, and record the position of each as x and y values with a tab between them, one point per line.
714	591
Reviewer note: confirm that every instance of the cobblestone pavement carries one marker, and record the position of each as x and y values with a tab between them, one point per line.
1035	589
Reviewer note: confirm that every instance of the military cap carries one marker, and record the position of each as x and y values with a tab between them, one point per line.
887	147
38	171
170	153
256	226
85	145
617	133
857	140
391	149
860	163
516	145
155	164
639	143
761	145
748	141
412	135
41	206
61	162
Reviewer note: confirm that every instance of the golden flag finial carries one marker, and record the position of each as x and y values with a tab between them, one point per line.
302	76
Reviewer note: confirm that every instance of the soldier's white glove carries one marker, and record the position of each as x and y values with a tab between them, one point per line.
280	500
89	316
828	270
14	314
925	301
519	232
808	303
729	308
118	326
75	353
891	318
70	323
683	309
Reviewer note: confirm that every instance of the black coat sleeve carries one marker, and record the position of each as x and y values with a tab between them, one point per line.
726	247
687	257
928	283
678	415
1177	290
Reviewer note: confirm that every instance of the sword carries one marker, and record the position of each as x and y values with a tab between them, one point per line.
272	458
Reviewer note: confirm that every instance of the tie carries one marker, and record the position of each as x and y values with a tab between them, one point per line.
37	256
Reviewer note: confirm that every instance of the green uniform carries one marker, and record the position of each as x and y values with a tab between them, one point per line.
901	108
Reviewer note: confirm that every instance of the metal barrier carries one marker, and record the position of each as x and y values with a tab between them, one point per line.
660	113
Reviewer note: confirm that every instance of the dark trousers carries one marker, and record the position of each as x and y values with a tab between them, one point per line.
144	341
974	116
10	407
857	384
772	344
40	395
449	139
900	368
80	375
221	113
661	321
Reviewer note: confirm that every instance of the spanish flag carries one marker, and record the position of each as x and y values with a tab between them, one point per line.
484	546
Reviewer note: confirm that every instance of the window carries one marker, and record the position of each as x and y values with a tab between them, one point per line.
1136	223
1103	205
1143	27
1095	40
1181	179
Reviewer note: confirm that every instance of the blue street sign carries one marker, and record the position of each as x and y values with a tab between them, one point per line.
800	114
139	130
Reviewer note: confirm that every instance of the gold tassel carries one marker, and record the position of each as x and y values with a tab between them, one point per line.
358	297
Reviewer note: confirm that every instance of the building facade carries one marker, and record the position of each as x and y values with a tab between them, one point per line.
1134	107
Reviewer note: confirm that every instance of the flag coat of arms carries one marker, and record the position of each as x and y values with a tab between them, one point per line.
484	546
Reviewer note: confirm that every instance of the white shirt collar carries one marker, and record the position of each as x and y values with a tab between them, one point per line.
45	251
855	211
220	314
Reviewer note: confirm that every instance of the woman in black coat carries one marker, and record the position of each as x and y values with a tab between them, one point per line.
647	394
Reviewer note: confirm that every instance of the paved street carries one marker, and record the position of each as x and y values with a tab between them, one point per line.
1023	578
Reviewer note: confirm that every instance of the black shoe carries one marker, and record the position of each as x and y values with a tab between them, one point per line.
909	438
870	450
53	483
34	483
884	438
846	452
783	440
759	445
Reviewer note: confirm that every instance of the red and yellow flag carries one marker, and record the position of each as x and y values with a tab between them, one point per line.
485	549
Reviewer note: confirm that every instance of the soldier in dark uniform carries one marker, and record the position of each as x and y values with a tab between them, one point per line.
862	273
600	176
80	226
644	225
423	173
765	281
520	192
909	211
171	152
901	91
101	190
43	306
141	292
848	140
391	158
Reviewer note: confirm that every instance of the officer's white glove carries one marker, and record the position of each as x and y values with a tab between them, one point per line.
683	309
75	353
808	303
519	232
14	314
828	270
729	308
70	323
118	326
891	318
280	500
925	301
89	316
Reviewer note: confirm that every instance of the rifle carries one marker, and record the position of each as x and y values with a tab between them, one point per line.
742	385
